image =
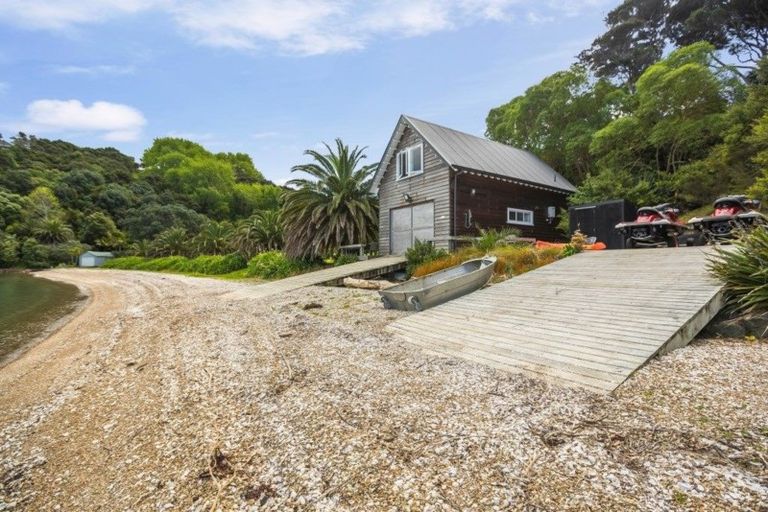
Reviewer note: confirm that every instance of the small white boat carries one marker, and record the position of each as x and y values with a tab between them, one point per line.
439	287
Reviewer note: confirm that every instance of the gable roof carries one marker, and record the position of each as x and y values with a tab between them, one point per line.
464	151
99	254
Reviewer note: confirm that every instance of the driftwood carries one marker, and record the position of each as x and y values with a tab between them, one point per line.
366	284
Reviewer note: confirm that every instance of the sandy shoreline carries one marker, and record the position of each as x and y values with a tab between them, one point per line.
53	327
168	393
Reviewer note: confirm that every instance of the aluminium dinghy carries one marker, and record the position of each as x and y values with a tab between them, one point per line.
439	287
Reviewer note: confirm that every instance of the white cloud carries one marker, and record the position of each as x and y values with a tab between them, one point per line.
100	69
298	26
112	121
63	14
303	27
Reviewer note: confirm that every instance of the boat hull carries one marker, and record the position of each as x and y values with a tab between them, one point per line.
439	287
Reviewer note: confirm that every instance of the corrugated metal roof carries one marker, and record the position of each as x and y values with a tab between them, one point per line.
100	253
461	149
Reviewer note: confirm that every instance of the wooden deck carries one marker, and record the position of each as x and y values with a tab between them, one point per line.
590	320
363	269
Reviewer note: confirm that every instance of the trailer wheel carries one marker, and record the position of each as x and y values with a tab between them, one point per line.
672	241
416	303
630	244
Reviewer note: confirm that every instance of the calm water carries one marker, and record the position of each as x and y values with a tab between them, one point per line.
29	306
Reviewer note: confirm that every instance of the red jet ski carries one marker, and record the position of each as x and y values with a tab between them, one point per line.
732	213
655	226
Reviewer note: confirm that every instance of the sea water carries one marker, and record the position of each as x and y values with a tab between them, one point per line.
29	308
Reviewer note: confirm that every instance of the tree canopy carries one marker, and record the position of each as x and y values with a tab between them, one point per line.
58	199
638	31
669	104
333	206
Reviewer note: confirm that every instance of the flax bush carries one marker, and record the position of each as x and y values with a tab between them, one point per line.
743	268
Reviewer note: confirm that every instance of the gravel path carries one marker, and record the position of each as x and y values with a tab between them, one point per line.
168	393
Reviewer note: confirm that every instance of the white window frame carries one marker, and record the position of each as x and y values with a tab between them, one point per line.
514	220
407	162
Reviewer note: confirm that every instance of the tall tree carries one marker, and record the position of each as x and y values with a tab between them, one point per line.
556	118
333	207
679	114
638	31
634	40
263	231
738	26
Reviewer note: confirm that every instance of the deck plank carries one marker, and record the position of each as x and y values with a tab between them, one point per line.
590	320
370	267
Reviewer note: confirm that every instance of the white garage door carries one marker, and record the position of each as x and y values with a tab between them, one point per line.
409	224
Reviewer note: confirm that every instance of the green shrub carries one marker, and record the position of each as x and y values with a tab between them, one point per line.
491	238
125	263
34	254
9	250
344	259
168	263
274	265
744	271
206	265
216	265
420	253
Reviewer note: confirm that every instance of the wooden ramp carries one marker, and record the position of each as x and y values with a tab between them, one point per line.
590	320
363	269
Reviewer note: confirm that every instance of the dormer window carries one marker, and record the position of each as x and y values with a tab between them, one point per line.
410	161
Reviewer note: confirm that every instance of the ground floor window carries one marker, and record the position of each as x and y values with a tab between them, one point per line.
517	216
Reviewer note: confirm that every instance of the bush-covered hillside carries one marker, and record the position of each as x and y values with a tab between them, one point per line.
58	199
669	104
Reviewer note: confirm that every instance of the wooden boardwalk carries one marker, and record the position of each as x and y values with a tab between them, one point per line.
590	320
363	269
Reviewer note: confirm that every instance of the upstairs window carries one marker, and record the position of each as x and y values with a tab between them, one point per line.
517	216
410	161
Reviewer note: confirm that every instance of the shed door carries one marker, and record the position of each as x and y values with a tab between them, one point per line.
411	223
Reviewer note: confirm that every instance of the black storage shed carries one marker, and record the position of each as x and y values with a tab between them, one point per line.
599	219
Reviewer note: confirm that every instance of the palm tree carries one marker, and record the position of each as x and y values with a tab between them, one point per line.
335	207
213	238
261	231
52	230
172	242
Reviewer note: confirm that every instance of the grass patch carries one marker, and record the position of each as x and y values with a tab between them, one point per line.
200	266
511	260
276	265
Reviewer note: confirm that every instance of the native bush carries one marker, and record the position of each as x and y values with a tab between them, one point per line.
491	238
511	260
216	265
420	253
274	265
743	269
124	263
212	265
344	259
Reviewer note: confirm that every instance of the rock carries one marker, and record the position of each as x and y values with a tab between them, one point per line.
311	305
725	326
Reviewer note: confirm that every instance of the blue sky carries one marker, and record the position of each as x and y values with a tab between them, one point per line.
272	78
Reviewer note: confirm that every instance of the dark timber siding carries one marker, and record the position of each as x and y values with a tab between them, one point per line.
432	185
493	197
